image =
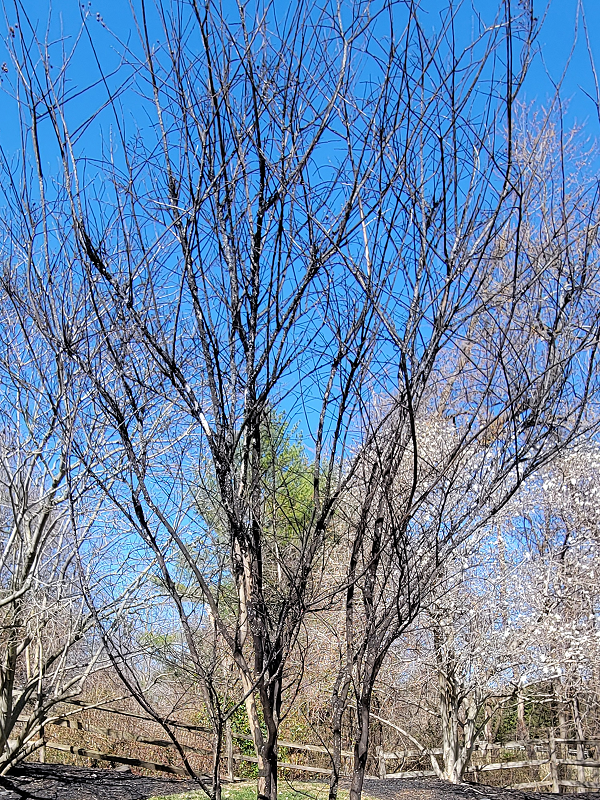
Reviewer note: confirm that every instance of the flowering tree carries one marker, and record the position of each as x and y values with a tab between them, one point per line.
558	525
514	614
475	656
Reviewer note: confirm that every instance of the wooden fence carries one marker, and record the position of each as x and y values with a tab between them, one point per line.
561	763
556	756
120	736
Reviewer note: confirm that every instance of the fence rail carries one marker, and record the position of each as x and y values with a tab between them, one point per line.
552	759
131	762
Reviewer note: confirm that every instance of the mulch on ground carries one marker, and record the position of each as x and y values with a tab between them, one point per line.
435	789
59	782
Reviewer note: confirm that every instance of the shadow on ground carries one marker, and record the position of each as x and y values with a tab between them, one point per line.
59	782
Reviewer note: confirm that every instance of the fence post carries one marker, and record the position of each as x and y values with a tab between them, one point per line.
580	748
381	760
229	752
40	701
553	761
580	767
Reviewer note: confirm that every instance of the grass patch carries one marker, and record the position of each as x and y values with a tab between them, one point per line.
295	790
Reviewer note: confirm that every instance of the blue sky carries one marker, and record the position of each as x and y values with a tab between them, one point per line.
562	37
556	38
563	32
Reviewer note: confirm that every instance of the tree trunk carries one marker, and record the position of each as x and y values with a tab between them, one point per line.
339	703
267	759
361	746
522	729
258	738
563	721
453	700
449	708
457	753
267	772
270	699
265	746
488	730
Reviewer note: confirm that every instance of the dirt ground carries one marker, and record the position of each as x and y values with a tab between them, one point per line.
58	782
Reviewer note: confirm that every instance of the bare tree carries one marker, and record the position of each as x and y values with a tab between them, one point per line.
321	212
206	299
48	648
